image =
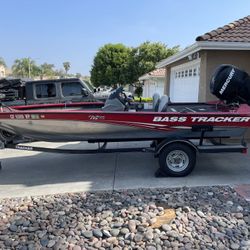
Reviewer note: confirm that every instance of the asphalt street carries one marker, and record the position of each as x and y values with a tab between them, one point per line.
31	173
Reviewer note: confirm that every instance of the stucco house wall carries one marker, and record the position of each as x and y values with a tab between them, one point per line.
153	82
213	59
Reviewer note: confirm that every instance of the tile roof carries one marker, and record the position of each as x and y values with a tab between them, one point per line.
157	72
237	31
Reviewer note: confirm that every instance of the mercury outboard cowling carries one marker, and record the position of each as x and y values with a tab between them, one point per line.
231	84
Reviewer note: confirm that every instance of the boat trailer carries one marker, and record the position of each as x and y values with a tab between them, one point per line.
177	156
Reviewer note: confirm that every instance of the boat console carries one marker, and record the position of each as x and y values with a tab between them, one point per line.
117	101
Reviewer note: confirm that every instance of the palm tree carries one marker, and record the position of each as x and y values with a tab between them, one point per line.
66	66
18	68
25	67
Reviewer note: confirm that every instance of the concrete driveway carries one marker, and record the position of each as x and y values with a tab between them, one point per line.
31	173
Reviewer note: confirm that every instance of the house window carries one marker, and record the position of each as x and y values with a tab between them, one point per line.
182	73
195	72
179	74
176	74
72	89
190	72
45	90
186	73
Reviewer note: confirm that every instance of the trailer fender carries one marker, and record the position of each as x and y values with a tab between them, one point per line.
167	142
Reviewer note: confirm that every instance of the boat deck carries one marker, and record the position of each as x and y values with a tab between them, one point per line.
195	108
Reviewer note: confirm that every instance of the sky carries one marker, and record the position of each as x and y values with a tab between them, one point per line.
55	31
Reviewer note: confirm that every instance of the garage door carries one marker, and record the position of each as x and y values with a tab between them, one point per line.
184	82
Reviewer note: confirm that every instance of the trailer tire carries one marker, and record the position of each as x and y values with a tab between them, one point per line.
177	159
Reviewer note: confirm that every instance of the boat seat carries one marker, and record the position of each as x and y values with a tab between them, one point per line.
156	101
163	105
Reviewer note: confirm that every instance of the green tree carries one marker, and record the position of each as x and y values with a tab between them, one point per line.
66	66
60	73
47	70
138	90
25	67
144	58
2	62
118	64
110	65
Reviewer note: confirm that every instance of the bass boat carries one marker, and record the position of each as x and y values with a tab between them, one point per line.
117	121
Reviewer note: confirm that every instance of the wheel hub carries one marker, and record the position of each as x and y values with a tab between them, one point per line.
177	160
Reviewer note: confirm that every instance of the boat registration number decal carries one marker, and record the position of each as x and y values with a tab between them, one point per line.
26	116
198	119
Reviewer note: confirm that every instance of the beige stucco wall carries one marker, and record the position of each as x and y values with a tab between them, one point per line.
213	59
203	88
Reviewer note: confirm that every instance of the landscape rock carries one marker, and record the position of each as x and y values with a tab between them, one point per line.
124	230
13	228
201	218
166	227
97	233
87	234
106	233
149	235
132	226
51	243
114	232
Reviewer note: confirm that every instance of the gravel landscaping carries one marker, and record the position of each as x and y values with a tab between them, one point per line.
181	218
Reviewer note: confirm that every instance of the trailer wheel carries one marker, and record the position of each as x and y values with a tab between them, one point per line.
177	159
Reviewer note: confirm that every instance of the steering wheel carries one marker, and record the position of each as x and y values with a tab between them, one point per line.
125	100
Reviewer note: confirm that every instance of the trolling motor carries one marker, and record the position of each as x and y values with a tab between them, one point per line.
231	84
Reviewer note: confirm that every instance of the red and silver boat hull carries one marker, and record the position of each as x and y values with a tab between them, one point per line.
71	125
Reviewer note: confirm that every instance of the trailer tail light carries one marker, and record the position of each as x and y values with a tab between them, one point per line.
244	151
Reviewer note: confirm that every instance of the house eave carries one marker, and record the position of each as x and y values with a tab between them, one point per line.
203	45
142	78
147	77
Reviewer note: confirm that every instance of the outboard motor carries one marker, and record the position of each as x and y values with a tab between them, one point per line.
231	84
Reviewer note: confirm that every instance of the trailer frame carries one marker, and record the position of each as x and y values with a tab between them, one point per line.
160	148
